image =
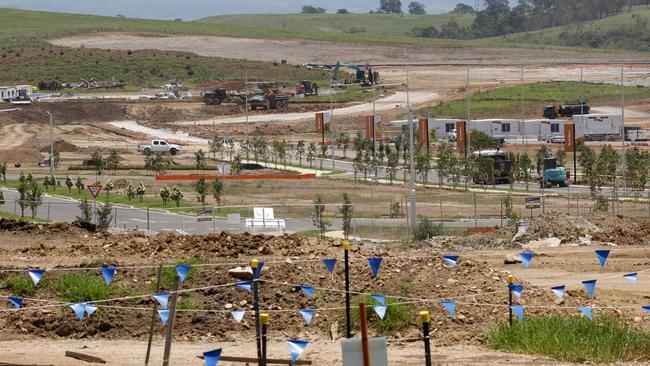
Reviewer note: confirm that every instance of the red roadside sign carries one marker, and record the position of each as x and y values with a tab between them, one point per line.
95	189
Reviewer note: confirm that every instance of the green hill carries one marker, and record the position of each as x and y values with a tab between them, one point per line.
630	30
377	28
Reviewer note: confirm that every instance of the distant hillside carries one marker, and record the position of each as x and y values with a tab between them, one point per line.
379	28
630	31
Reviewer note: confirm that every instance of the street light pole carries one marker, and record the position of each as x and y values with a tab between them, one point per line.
332	121
411	155
51	144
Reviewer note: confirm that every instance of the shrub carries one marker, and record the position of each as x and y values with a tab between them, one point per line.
426	230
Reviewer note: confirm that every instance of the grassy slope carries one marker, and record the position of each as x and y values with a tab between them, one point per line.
506	102
555	36
377	28
26	58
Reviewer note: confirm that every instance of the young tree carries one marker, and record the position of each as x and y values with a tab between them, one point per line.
217	190
201	162
23	193
319	216
35	198
130	192
467	169
176	195
98	162
416	8
540	155
80	185
561	157
104	214
108	187
300	151
113	161
444	163
236	166
140	191
346	213
165	195
422	166
69	184
524	165
54	182
201	189
311	154
216	146
3	171
637	163
46	183
323	151
393	161
86	212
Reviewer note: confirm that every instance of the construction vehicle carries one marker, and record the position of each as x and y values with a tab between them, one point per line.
553	175
306	87
502	167
215	97
363	76
566	110
268	97
22	98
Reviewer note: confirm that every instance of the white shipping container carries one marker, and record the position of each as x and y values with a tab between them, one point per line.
594	126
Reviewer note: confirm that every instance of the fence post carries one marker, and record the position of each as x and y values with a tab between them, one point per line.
48	210
214	221
115	218
475	211
153	319
148	223
648	203
170	324
264	319
346	257
15	201
425	318
441	220
511	280
256	303
501	215
364	334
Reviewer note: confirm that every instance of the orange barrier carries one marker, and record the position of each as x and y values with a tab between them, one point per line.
196	177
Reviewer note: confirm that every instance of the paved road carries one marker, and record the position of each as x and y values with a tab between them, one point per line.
66	210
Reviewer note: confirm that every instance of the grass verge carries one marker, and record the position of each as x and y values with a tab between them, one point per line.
6	215
573	339
19	286
77	287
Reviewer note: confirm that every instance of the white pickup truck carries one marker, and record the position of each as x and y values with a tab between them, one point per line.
160	146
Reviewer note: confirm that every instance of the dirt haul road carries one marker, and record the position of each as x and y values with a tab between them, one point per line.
302	51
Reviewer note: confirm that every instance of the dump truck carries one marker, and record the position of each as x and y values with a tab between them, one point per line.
268	97
306	87
502	167
215	97
553	175
568	109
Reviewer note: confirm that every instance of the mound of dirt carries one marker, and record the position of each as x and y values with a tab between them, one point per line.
601	227
68	112
61	146
23	155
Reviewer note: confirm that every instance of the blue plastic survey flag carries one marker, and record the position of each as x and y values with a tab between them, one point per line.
36	275
379	298
307	314
380	310
590	286
16	301
602	256
451	308
374	265
516	289
211	358
162	299
558	291
451	260
646	309
90	309
631	277
79	310
296	348
164	315
238	315
586	310
246	285
108	273
182	271
330	263
519	312
309	291
526	257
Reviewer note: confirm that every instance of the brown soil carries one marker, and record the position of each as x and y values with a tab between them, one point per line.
69	112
